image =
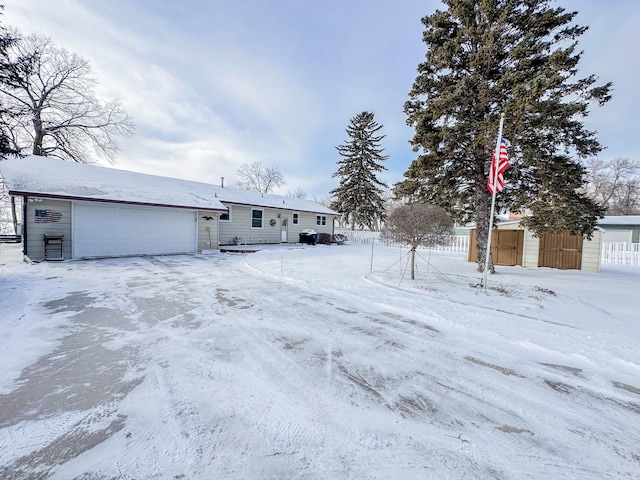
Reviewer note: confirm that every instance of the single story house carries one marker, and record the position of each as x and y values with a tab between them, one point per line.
73	210
620	228
512	244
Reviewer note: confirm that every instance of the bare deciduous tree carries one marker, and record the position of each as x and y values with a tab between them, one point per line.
55	111
255	176
417	224
298	193
614	184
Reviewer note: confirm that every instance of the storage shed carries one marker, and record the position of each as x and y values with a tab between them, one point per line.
512	244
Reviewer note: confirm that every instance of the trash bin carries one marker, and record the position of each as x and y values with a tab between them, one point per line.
308	236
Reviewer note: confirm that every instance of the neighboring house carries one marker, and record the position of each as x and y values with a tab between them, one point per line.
620	228
104	212
512	244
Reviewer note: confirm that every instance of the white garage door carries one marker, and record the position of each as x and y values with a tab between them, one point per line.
104	230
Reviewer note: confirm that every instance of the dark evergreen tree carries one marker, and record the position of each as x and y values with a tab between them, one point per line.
359	197
6	72
519	57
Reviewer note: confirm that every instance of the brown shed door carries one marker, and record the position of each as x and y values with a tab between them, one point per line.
506	247
560	250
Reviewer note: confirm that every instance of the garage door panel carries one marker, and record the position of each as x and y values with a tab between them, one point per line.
114	230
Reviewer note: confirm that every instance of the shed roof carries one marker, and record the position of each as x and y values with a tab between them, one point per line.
630	220
54	178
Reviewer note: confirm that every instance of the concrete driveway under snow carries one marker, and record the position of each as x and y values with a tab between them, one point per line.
306	364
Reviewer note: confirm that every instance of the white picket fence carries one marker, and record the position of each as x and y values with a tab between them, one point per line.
454	243
621	253
616	253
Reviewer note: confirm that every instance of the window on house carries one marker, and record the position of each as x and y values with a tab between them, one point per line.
321	220
256	218
296	218
226	217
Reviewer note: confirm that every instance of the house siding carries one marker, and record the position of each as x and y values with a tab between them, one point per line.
531	250
591	252
207	240
35	231
240	225
619	234
620	228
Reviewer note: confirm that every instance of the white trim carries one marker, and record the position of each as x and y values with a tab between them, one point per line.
73	230
261	227
230	219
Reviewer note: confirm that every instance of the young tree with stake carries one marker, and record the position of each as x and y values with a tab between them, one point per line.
417	224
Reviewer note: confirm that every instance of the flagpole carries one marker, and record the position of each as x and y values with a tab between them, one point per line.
495	162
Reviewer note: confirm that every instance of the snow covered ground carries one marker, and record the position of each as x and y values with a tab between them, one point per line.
324	362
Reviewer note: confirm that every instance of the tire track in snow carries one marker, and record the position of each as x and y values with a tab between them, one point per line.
506	402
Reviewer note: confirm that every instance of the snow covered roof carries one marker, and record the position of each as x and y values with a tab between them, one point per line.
269	200
54	178
620	220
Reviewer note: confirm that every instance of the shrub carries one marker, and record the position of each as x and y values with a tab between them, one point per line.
324	238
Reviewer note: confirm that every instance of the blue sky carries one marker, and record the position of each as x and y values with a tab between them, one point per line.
216	84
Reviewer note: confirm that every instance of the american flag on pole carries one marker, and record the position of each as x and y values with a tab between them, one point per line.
503	163
47	216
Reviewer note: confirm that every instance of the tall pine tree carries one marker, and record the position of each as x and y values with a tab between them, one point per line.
520	57
359	197
6	69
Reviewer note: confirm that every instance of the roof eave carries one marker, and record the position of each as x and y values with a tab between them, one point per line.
122	202
284	207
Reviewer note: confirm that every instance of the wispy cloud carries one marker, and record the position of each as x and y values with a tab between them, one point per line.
213	85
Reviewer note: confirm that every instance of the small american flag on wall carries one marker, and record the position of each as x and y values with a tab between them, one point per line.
47	216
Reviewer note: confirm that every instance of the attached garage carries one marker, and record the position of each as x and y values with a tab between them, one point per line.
72	210
109	230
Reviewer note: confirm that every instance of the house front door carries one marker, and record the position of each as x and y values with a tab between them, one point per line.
284	231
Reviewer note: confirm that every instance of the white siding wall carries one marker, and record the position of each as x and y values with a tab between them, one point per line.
207	240
591	252
531	249
240	226
610	235
36	231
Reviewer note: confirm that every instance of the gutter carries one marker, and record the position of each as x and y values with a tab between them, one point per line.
118	202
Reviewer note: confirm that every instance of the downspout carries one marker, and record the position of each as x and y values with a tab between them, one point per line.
25	230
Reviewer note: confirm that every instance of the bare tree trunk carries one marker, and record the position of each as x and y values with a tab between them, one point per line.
14	217
38	135
413	263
